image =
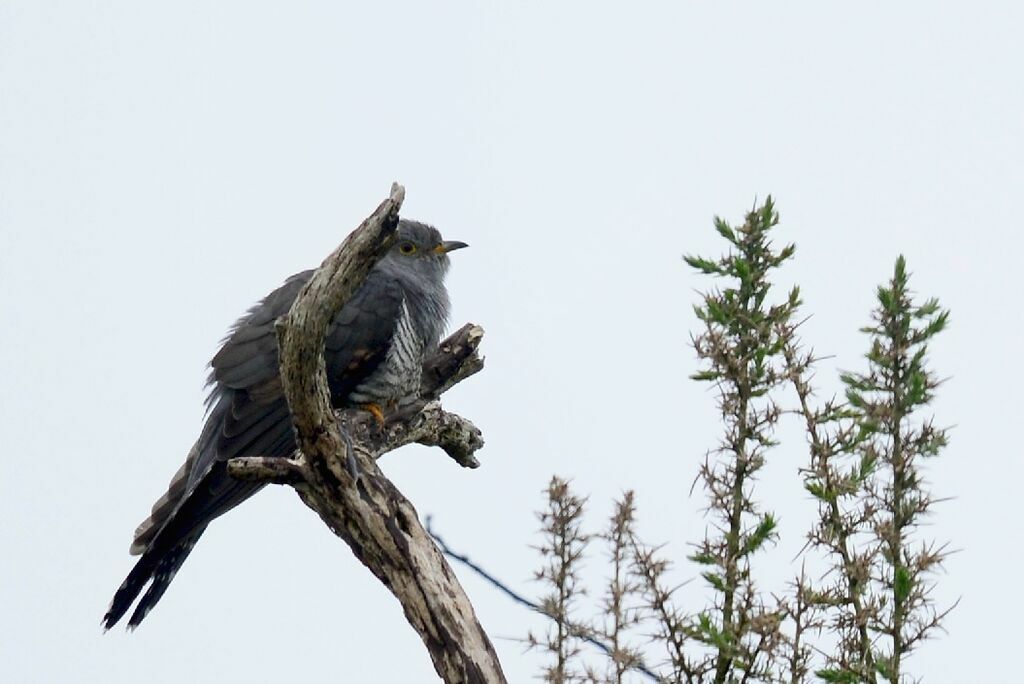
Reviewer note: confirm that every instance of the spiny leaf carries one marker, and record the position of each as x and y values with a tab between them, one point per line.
818	491
882	666
901	583
900	272
834	676
927	309
741	267
885	298
765	530
716	312
937	325
715	580
703	558
916	389
855	398
725	230
794	297
787	252
702	265
867	467
708	633
705	376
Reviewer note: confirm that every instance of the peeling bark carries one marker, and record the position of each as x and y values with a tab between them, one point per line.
377	522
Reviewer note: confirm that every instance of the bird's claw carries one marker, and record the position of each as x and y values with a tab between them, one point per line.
377	413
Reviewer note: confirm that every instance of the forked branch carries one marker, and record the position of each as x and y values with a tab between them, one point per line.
377	522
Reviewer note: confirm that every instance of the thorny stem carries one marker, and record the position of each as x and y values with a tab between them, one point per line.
617	589
751	350
673	632
899	518
822	452
884	580
564	544
804	618
896	329
724	660
563	605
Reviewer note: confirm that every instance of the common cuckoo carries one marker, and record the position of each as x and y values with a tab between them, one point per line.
374	354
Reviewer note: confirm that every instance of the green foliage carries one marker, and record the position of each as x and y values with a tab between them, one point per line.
874	603
741	350
901	584
764	532
839	676
870	510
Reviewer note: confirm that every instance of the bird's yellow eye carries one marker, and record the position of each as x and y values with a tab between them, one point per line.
407	248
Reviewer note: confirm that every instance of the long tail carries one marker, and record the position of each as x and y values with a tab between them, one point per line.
159	564
215	494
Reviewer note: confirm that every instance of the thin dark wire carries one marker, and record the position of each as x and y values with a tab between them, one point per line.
519	598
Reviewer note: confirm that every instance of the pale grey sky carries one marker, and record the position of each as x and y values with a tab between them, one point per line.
163	165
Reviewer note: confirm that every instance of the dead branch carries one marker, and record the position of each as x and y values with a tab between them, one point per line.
377	522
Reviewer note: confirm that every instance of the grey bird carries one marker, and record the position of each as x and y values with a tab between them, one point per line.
374	353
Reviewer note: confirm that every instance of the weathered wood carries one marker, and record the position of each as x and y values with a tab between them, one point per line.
377	522
288	471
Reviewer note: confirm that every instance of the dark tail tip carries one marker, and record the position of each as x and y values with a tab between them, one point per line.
162	569
125	596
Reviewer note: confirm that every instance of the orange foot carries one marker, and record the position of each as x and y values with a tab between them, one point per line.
376	412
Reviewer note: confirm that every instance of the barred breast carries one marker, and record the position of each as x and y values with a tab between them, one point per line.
398	376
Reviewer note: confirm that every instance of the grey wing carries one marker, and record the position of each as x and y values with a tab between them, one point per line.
361	335
248	412
248	417
245	402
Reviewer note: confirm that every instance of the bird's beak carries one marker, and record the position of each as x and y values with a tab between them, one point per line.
449	246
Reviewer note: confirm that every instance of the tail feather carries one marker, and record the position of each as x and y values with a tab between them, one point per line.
201	458
130	589
213	496
165	571
160	565
165	506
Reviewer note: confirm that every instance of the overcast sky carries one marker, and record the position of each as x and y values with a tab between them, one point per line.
164	165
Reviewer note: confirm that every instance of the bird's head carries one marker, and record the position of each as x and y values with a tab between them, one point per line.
420	249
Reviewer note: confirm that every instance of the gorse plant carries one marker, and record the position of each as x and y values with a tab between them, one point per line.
741	349
865	474
562	549
872	607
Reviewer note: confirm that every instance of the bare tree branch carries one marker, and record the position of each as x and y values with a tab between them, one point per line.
289	471
377	522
